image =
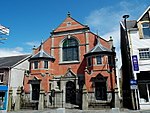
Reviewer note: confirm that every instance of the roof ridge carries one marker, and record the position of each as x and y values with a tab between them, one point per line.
15	56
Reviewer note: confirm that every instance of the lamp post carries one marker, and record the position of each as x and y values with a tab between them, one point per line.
126	36
134	97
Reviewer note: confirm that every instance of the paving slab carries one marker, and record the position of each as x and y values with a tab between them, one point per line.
63	110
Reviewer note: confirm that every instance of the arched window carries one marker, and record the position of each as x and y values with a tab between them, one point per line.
70	50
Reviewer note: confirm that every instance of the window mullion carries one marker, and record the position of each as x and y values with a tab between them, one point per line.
70	50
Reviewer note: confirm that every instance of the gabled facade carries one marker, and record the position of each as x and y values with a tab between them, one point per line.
12	71
139	42
76	57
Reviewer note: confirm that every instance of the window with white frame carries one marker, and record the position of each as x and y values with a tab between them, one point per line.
98	59
46	64
144	53
70	50
36	64
146	30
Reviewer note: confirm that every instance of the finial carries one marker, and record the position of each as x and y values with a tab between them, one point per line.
34	47
68	14
42	44
111	39
41	41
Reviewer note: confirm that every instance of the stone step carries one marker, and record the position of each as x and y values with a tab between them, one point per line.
100	104
30	105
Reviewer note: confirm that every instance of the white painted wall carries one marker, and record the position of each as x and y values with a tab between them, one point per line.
136	44
144	65
17	76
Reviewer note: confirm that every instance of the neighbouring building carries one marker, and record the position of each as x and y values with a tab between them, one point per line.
138	69
12	71
72	58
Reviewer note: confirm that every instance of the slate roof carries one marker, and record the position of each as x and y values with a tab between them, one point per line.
8	62
130	24
42	55
99	48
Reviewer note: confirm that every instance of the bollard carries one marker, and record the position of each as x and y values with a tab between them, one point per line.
10	99
41	100
84	99
17	102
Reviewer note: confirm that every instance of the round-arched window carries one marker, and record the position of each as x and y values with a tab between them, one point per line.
70	50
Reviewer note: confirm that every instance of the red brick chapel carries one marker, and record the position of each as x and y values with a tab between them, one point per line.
73	57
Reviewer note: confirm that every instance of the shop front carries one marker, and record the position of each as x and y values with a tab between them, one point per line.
144	89
3	97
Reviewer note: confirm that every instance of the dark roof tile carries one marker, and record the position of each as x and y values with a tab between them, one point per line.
7	62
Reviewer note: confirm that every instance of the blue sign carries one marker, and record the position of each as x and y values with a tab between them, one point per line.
135	63
133	82
3	88
3	97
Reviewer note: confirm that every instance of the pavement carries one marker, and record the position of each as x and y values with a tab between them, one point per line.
63	110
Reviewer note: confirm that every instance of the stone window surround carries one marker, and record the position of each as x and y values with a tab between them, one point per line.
140	26
60	51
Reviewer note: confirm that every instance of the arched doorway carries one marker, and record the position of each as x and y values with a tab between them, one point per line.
70	92
35	91
100	87
100	90
35	86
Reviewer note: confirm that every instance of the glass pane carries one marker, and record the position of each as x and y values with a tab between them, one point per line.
98	60
70	42
64	54
46	64
70	50
2	100
65	44
35	64
144	53
69	54
146	30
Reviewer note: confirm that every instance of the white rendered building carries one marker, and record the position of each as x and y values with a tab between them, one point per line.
139	43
